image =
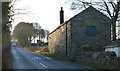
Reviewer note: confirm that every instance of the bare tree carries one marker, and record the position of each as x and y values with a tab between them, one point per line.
15	11
41	33
111	8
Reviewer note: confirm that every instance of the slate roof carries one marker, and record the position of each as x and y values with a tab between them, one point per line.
87	9
113	44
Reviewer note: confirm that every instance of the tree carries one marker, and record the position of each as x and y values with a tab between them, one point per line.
16	10
24	33
6	40
118	34
41	33
37	27
111	8
46	33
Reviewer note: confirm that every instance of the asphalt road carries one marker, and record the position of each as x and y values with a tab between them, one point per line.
25	59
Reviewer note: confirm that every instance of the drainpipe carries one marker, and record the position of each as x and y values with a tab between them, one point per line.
66	41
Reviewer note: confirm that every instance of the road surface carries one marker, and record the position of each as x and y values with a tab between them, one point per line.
25	59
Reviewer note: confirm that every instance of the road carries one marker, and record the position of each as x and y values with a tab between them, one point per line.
25	59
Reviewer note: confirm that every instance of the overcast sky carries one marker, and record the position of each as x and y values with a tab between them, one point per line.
44	12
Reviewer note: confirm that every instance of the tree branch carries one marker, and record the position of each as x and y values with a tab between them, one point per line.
117	11
107	9
113	5
102	9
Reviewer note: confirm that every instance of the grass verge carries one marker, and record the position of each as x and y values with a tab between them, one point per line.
84	63
48	54
95	65
53	55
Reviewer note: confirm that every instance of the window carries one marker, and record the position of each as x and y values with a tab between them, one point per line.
91	30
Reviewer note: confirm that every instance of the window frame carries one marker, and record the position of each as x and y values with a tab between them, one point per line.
88	31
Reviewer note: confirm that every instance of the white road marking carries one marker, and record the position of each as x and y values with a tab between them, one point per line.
34	59
47	57
42	58
43	65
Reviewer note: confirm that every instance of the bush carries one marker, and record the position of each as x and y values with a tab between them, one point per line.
43	49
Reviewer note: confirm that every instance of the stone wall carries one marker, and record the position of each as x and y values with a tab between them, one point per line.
84	42
57	39
105	58
79	45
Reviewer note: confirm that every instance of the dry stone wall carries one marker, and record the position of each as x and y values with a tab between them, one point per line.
104	58
57	39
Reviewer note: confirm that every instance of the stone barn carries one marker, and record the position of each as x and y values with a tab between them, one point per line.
90	30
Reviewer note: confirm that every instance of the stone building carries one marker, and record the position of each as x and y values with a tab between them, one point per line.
89	30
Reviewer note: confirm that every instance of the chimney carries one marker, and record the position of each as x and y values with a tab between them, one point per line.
61	16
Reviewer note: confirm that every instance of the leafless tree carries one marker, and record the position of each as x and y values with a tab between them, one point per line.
15	11
111	8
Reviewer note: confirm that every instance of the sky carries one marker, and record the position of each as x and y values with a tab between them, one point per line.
44	12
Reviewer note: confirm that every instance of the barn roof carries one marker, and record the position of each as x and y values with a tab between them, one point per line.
113	44
90	8
59	27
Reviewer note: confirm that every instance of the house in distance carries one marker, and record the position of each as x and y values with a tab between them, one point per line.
90	30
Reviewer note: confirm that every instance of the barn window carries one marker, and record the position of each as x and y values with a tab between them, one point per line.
91	30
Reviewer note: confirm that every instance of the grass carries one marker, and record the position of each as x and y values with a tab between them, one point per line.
96	66
48	54
82	62
31	49
53	55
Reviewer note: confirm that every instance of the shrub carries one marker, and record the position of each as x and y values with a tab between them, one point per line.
44	49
